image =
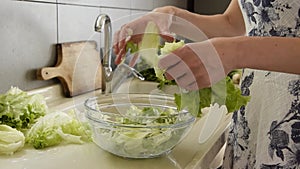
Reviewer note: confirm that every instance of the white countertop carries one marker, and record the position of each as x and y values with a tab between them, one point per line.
189	154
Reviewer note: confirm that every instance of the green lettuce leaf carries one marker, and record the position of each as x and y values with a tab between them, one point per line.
20	110
170	47
229	95
55	128
11	140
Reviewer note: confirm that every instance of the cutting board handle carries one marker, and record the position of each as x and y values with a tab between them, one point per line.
78	67
48	73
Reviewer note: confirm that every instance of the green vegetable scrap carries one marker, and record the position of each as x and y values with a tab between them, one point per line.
20	110
228	95
55	128
150	51
131	47
135	115
149	75
11	140
170	47
224	92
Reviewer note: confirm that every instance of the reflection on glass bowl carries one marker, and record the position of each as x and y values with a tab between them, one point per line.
137	125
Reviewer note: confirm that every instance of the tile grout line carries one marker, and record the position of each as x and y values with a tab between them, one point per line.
83	5
57	23
57	4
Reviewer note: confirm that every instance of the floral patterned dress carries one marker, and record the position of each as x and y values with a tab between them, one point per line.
265	134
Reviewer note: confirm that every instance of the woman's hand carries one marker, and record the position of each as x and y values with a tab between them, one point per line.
134	30
199	65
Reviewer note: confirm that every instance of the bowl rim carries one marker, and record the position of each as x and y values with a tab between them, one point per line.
190	120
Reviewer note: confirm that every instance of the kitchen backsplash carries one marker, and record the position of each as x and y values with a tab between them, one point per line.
29	31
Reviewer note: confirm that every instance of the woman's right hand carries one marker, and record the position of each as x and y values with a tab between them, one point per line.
201	64
134	30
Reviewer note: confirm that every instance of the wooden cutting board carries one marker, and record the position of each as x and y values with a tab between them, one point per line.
78	68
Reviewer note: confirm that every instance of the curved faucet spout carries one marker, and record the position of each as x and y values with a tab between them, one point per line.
122	72
103	25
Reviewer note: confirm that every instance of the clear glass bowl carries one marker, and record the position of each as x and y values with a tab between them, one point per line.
121	129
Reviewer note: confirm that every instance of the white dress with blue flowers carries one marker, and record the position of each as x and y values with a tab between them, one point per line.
265	134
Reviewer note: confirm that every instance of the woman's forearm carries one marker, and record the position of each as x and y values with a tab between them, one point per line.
280	54
228	24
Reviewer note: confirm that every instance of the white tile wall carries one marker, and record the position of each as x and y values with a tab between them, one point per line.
28	32
76	23
81	2
118	17
139	4
116	3
53	1
137	13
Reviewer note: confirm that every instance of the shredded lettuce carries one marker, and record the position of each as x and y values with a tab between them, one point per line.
142	140
11	140
20	110
170	47
158	116
55	128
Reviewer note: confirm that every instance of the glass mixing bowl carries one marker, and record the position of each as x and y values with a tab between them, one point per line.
137	125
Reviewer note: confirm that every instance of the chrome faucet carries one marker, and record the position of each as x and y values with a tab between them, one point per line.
113	78
103	25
